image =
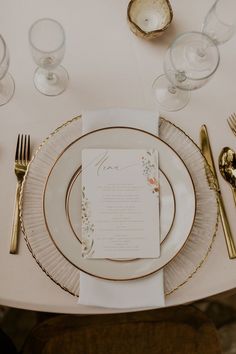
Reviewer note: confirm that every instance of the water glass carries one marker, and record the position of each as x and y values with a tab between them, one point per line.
187	67
47	43
220	21
7	85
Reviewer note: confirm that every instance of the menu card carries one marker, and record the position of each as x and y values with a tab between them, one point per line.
120	203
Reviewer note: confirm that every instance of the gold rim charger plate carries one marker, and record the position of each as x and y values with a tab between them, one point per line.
61	270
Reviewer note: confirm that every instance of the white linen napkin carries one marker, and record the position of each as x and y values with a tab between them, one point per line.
145	292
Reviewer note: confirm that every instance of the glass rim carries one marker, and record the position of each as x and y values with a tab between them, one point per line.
4	50
49	20
214	8
210	40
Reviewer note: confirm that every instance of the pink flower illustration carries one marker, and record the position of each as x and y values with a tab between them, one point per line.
149	163
152	180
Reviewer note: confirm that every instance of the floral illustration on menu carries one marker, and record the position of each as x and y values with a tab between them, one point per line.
149	163
87	227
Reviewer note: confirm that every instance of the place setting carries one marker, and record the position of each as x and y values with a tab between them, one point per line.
120	207
155	223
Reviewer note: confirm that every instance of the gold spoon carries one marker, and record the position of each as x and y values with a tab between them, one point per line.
227	165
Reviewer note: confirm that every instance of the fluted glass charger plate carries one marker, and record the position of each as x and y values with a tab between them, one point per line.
61	270
65	168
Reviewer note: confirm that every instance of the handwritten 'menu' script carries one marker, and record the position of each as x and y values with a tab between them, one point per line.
103	165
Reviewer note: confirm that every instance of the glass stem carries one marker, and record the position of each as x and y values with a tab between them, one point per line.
172	89
202	50
49	75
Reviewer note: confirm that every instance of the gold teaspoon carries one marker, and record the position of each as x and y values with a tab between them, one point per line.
227	165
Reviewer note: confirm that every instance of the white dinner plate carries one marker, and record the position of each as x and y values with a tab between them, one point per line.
73	205
55	195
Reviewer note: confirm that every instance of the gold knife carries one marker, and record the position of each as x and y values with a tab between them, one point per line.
206	150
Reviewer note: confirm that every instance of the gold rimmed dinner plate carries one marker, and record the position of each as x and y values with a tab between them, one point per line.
64	169
73	205
178	271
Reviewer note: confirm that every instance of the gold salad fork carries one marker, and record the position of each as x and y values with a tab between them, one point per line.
232	122
22	158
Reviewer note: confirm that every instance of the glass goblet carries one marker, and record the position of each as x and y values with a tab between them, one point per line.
186	69
47	43
7	85
220	21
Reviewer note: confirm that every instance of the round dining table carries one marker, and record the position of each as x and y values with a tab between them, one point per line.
108	66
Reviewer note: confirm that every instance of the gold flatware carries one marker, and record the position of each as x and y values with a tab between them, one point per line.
227	166
22	158
232	122
206	150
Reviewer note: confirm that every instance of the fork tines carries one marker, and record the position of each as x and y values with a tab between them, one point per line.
23	148
232	122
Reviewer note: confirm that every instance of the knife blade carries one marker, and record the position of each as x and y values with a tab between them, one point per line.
207	153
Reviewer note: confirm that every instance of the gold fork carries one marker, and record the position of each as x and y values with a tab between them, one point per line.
232	122
22	158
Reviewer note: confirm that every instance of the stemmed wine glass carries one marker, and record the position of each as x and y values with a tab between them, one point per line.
186	68
220	21
47	43
7	85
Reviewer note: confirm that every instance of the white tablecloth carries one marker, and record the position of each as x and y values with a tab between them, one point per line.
108	67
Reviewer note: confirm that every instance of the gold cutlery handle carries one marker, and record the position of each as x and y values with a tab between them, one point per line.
234	194
15	225
227	232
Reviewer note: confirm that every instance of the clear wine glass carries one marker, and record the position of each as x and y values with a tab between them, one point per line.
220	21
186	69
47	43
7	85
